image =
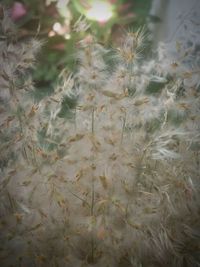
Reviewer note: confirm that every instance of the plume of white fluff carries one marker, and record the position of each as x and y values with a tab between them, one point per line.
115	185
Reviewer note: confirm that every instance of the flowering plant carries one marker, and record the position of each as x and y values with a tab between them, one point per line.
105	172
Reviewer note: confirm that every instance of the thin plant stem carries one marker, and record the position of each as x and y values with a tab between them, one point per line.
123	128
75	123
93	196
93	120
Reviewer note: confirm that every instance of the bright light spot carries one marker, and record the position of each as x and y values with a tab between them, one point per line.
57	27
67	36
100	11
51	34
62	3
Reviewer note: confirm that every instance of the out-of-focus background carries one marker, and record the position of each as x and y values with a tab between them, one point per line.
55	21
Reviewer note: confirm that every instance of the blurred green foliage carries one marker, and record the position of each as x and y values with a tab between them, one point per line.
58	52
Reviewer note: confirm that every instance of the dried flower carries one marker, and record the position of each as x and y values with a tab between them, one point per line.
106	171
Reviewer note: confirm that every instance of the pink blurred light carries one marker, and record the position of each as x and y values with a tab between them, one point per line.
18	11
